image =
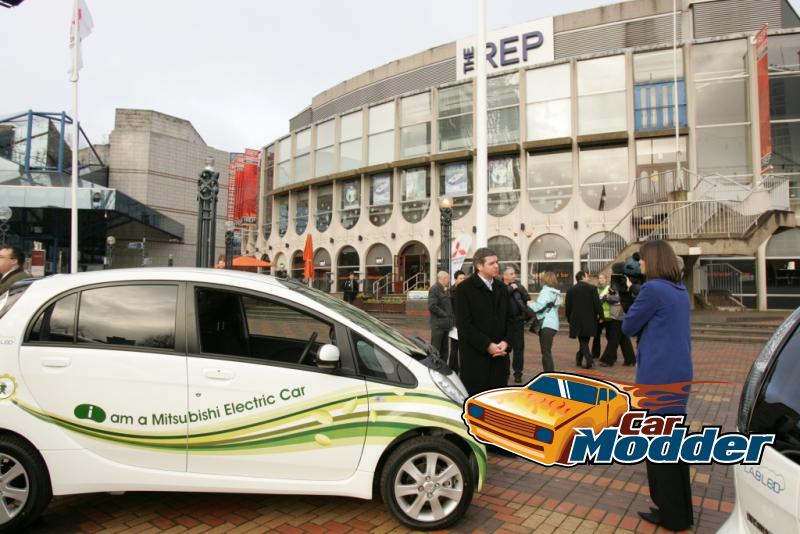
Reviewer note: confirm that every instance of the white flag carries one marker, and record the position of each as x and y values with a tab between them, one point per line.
82	22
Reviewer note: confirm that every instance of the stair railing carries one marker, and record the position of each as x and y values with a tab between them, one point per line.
418	280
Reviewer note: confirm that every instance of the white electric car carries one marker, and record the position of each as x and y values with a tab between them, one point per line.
768	494
218	381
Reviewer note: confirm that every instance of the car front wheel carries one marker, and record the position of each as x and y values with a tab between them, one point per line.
426	483
24	484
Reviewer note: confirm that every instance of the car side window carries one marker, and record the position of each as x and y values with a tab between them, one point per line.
374	362
602	396
777	409
611	395
135	315
236	324
56	323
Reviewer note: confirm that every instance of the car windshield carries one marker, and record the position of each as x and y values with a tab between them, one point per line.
364	320
566	389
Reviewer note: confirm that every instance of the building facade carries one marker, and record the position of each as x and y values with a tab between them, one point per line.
606	127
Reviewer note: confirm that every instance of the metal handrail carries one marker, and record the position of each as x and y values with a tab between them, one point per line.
383	284
724	277
419	279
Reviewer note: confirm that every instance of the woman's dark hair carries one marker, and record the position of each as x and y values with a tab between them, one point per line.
660	261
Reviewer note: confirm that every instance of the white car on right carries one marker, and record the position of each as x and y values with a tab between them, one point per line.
768	494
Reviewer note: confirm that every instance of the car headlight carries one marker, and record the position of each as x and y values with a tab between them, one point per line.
475	411
450	386
545	435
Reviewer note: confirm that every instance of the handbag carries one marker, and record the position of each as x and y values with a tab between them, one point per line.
538	322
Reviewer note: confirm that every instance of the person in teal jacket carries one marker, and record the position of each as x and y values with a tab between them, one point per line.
546	306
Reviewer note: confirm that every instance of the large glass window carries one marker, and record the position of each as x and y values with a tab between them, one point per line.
381	133
784	83
502	119
455	117
302	161
284	162
116	316
298	265
322	271
550	180
283	215
507	252
380	198
415	187
783	270
601	95
323	156
350	203
350	156
723	140
656	173
503	183
379	264
604	177
549	113
455	179
346	263
301	212
604	254
550	252
654	80
415	122
324	207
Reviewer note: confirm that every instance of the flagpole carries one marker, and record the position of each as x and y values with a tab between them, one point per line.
73	240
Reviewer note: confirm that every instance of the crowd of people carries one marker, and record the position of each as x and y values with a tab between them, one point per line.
479	323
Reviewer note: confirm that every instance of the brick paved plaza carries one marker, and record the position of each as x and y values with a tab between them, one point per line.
519	496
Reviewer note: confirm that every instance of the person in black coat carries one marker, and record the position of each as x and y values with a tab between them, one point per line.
458	277
519	314
484	323
583	311
351	289
440	306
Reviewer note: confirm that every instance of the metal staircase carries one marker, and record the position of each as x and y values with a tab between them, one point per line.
717	208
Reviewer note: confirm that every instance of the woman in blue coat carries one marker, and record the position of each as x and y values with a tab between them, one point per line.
546	307
659	317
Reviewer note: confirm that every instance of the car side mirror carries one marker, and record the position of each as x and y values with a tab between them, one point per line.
328	356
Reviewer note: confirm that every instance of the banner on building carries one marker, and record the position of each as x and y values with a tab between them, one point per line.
455	179
762	69
501	174
350	196
416	186
381	189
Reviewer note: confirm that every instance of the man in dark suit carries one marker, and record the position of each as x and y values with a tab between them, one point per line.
583	311
11	261
484	324
351	288
440	305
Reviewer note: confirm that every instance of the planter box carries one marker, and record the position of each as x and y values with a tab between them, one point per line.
384	307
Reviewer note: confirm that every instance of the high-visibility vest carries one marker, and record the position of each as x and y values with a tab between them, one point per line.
606	306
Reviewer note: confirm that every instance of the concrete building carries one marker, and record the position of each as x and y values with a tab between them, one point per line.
600	137
156	159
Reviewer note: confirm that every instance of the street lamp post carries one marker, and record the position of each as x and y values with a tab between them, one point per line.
207	192
110	242
229	245
5	216
446	209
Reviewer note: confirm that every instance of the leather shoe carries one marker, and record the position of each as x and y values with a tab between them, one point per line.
651	516
518	379
604	364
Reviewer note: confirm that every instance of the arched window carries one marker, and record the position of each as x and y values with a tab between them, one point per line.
602	255
322	270
351	203
347	262
380	198
507	252
298	265
455	179
415	186
379	264
550	252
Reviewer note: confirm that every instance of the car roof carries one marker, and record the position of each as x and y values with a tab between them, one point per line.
59	283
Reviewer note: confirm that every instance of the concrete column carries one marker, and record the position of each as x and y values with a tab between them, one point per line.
689	263
761	276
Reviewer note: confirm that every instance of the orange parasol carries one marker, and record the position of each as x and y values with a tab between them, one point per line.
249	261
308	259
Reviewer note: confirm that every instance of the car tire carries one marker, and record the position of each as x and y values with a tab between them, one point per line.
25	488
427	483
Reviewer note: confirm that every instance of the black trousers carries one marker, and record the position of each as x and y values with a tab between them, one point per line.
453	362
613	335
671	492
583	354
517	346
546	336
439	341
596	340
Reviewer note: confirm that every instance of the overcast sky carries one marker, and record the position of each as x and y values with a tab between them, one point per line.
237	69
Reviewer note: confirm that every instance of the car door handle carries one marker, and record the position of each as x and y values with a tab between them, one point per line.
54	361
218	374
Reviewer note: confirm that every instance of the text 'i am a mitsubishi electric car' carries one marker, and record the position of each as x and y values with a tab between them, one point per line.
215	381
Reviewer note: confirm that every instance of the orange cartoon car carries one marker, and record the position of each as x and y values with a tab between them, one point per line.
537	421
